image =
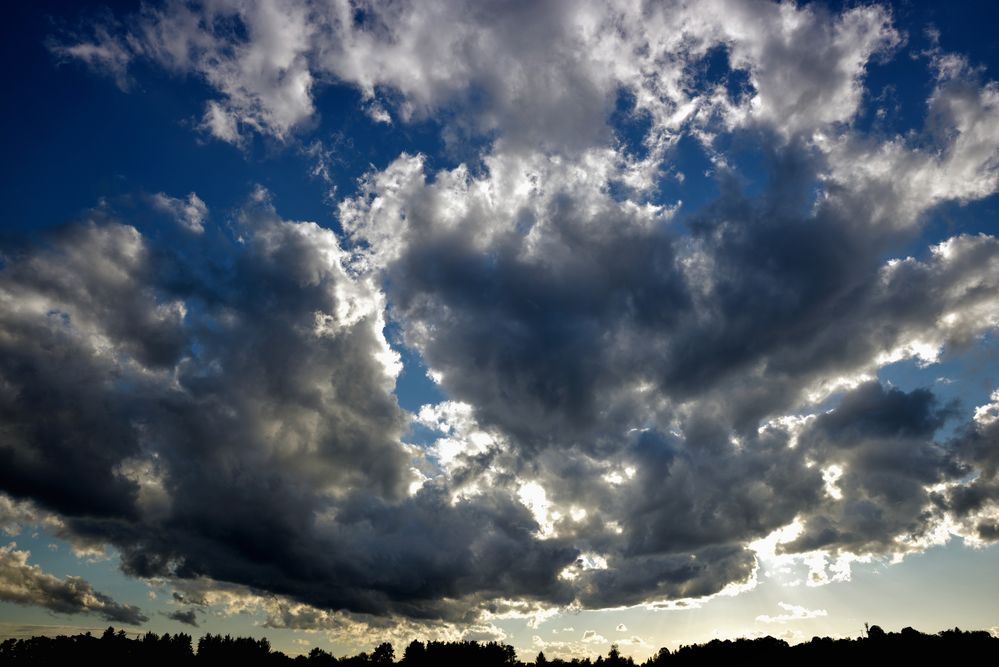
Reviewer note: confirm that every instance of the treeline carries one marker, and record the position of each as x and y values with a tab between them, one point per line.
151	649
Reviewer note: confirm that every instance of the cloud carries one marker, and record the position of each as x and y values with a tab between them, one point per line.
793	613
882	442
264	80
26	584
185	616
637	392
649	471
977	503
954	158
805	64
102	51
344	628
227	412
548	75
190	214
581	329
14	515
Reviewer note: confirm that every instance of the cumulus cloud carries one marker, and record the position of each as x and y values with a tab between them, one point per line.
577	323
139	351
792	613
887	463
185	616
189	213
548	74
806	65
230	415
26	584
977	503
14	515
954	158
637	393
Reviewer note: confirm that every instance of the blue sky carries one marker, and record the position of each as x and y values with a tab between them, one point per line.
558	324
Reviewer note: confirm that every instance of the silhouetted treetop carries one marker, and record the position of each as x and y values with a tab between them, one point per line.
115	647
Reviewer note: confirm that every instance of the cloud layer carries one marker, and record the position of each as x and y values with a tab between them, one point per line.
27	584
637	392
547	75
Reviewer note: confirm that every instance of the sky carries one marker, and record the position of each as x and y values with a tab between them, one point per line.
559	324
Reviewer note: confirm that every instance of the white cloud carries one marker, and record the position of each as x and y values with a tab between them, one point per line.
792	613
222	123
955	158
15	514
103	52
805	65
540	75
190	214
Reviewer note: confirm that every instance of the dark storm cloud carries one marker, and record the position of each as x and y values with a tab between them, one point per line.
882	441
712	492
23	583
668	576
872	411
224	410
588	322
48	362
978	501
420	558
185	616
538	344
548	329
255	440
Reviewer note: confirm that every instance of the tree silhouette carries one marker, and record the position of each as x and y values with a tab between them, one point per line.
151	650
415	653
384	654
614	658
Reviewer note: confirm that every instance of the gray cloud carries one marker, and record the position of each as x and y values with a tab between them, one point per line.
634	387
189	213
547	310
231	400
185	616
591	336
978	501
668	576
226	412
23	583
14	515
882	441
